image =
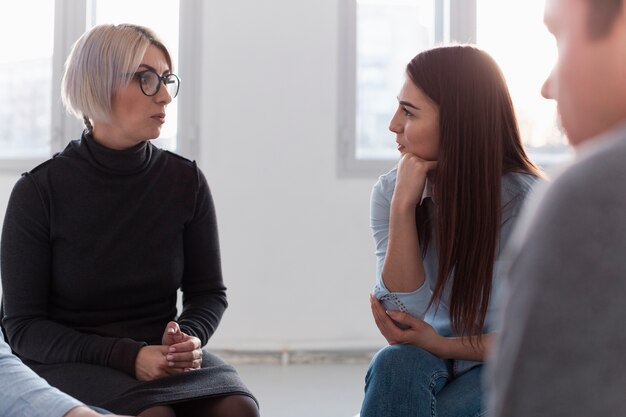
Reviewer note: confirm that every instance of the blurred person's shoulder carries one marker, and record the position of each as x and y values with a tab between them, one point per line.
599	168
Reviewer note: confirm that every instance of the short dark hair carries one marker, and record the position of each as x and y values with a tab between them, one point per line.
601	16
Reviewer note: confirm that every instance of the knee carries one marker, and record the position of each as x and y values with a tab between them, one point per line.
237	405
158	411
393	362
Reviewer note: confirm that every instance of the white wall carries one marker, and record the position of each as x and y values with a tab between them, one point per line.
297	252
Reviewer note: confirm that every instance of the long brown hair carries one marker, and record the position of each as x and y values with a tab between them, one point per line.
479	142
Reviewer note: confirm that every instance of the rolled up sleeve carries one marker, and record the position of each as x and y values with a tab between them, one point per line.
415	302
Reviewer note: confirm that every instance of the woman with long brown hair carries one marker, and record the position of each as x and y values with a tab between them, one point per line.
440	220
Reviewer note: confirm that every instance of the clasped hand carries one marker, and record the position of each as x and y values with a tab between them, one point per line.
411	179
178	353
417	332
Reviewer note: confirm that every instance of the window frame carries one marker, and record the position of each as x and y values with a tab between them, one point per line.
455	20
70	22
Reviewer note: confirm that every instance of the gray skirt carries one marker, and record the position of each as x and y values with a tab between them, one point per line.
122	394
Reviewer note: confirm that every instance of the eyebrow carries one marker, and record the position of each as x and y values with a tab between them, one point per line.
407	104
154	69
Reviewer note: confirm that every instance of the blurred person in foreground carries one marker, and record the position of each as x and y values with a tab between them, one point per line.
562	350
25	394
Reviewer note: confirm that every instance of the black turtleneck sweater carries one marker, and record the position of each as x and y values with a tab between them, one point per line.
96	243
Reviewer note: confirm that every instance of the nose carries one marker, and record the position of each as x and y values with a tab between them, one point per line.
394	125
163	95
548	86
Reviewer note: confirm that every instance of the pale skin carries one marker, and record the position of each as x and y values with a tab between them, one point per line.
178	352
587	81
416	125
135	118
421	334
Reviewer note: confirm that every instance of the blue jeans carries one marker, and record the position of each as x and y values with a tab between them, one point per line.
404	380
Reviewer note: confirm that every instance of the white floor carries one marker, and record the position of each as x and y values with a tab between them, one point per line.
309	390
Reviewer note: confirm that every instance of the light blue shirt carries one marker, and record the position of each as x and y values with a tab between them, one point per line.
515	188
24	394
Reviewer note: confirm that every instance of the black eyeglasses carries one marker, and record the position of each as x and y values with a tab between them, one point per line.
150	82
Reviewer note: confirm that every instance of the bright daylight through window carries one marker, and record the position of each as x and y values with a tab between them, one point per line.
391	32
514	34
160	16
26	78
388	35
26	68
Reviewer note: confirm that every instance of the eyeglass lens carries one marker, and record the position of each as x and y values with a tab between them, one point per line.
150	83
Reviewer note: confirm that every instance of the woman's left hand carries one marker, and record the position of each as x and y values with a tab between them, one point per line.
417	332
185	351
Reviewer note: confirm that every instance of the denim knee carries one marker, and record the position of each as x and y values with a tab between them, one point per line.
402	362
402	380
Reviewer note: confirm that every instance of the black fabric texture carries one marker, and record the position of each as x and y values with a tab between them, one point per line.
95	245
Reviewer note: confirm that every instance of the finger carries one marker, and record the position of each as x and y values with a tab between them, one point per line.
386	326
172	333
173	370
432	164
376	304
401	318
379	317
184	356
186	360
195	364
172	328
380	313
394	332
378	323
376	313
187	346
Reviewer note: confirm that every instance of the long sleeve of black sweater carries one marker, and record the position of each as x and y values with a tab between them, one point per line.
92	260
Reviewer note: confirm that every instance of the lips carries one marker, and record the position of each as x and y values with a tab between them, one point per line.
159	117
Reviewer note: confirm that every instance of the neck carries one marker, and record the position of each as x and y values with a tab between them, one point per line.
110	137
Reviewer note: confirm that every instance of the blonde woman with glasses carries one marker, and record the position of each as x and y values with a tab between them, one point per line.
98	240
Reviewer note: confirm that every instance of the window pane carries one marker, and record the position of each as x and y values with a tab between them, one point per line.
514	34
162	17
389	34
26	78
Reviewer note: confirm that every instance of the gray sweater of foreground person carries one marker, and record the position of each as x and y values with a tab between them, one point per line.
562	350
24	394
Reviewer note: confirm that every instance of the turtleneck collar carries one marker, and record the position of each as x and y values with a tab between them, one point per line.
127	161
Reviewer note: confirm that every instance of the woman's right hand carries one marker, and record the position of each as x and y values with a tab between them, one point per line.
411	179
151	363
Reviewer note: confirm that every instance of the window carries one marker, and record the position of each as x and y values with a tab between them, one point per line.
162	17
388	35
526	53
381	36
33	122
26	78
378	40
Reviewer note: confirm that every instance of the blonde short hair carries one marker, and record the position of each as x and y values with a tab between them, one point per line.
102	61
